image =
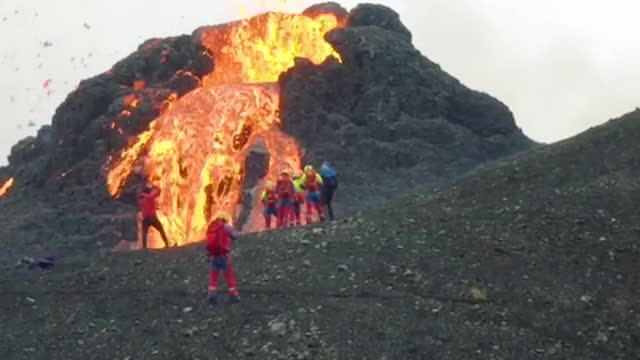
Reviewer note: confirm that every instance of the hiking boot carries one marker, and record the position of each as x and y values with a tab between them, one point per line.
212	299
234	299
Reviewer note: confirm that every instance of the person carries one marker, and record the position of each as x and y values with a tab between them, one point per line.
312	183
219	243
269	202
329	186
285	192
298	198
148	205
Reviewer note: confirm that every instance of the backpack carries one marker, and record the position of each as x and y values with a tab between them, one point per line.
331	182
218	239
329	177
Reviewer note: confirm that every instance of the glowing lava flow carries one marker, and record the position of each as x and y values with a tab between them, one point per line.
195	151
4	189
259	49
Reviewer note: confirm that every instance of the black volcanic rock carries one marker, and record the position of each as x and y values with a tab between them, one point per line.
328	7
82	136
388	110
256	167
380	16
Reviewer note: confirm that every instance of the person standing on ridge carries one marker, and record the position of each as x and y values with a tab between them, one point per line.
329	185
147	201
298	198
220	236
285	191
312	183
269	201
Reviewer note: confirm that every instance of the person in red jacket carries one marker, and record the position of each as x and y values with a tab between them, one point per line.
270	203
286	192
147	202
298	198
219	243
312	183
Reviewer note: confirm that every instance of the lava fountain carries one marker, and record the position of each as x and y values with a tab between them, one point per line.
195	150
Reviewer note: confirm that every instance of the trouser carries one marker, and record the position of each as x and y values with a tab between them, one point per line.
220	264
154	223
327	198
297	212
269	211
285	208
314	203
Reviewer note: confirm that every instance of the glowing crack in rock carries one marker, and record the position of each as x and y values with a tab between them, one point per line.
195	151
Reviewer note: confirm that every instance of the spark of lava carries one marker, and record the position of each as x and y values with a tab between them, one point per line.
4	189
47	83
139	85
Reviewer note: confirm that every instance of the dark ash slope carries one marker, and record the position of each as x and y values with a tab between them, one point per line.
533	259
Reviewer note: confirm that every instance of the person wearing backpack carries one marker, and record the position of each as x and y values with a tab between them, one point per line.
220	236
298	198
270	203
285	192
329	185
312	183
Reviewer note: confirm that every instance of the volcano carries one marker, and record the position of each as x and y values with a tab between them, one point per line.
210	117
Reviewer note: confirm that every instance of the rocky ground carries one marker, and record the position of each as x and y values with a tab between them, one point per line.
533	258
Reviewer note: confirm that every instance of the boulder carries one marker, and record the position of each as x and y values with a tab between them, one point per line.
327	8
377	15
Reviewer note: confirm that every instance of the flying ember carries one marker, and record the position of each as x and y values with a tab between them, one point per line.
195	151
4	189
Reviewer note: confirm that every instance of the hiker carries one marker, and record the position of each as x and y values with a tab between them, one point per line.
148	205
269	202
312	183
298	198
285	192
329	186
219	243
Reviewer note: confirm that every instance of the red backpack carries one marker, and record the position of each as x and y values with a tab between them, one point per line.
218	239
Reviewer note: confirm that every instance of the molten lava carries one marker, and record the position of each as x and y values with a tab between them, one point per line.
4	189
195	150
261	48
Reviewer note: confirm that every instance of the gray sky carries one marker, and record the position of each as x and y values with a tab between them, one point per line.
562	66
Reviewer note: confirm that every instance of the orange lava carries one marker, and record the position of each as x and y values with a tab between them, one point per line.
4	189
259	49
195	150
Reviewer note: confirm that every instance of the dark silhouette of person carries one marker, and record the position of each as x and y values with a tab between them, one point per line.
148	205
